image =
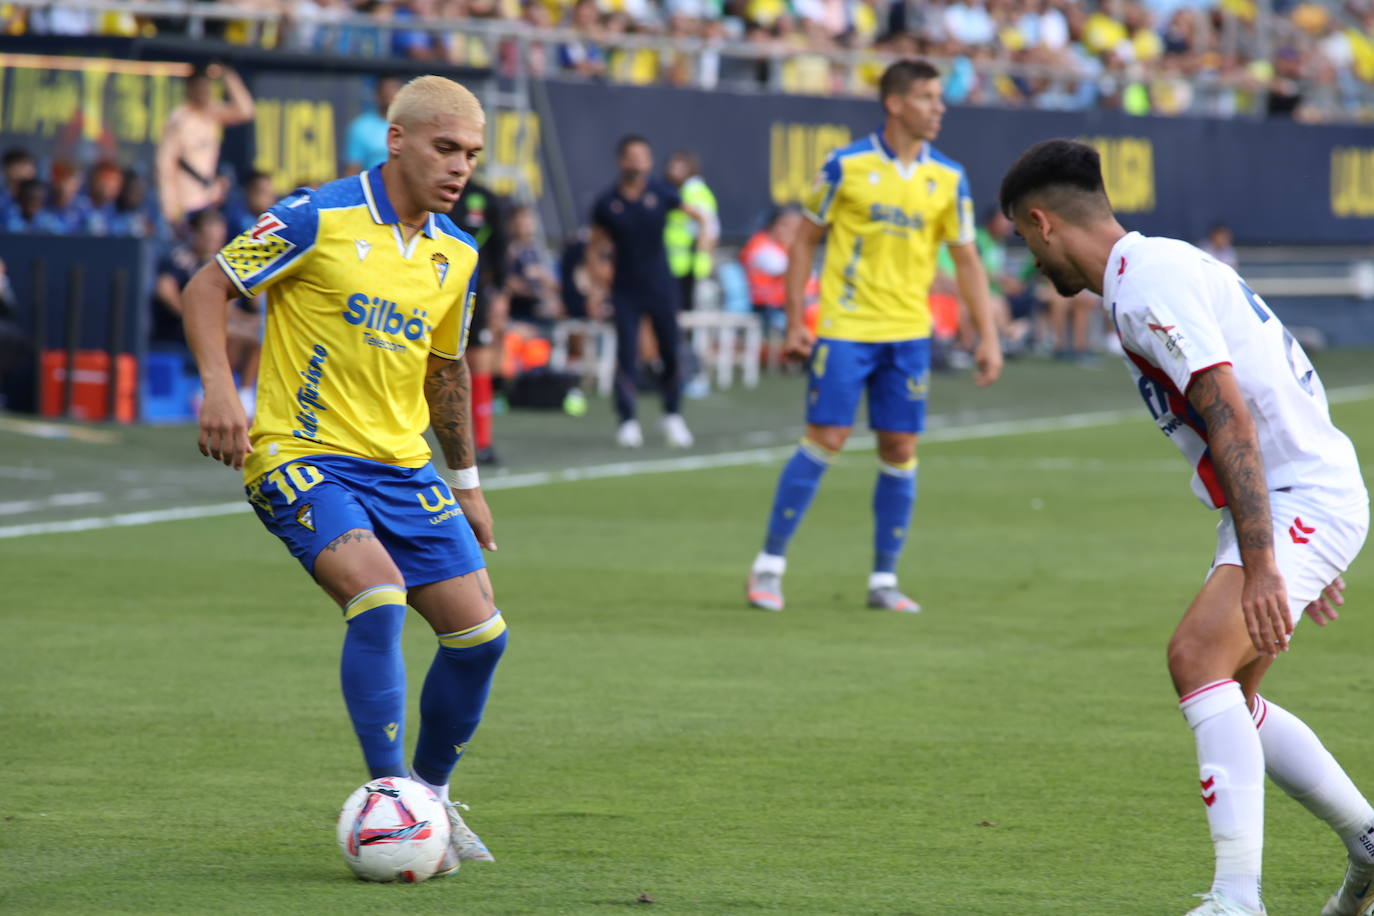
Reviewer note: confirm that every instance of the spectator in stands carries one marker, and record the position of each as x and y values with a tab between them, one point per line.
1010	309
765	258
414	44
133	216
584	56
1219	245
19	167
530	272
365	139
627	225
102	194
67	212
188	154
256	195
208	234
689	243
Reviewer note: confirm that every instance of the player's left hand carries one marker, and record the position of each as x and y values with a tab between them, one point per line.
987	356
1323	610
1264	601
478	515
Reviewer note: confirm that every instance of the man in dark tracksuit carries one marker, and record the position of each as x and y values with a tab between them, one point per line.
629	218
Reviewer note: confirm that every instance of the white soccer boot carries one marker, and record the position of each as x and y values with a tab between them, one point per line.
883	595
1221	905
1356	894
467	845
676	432
629	435
764	588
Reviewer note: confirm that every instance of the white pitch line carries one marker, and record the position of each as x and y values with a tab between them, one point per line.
990	430
18	507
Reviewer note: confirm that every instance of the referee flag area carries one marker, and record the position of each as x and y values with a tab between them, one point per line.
174	740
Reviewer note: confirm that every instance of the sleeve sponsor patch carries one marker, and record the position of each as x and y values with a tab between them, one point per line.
1170	336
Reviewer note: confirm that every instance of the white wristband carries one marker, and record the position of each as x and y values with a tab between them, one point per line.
463	478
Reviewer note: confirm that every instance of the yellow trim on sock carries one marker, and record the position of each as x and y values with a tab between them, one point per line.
484	632
904	466
377	596
817	451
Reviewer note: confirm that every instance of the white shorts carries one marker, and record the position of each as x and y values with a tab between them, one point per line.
1317	534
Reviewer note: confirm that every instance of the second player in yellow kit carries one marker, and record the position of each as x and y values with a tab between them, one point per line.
884	205
887	220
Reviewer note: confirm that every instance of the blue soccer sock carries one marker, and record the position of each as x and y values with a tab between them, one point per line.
373	674
454	695
797	486
894	496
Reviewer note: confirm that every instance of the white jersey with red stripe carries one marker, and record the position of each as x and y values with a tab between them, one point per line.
1179	312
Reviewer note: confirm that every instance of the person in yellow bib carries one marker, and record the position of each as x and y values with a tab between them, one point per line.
884	205
370	292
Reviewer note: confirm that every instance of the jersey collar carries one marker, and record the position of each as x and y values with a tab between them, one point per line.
880	143
379	205
1116	264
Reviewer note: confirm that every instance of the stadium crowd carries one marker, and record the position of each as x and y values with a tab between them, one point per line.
1216	57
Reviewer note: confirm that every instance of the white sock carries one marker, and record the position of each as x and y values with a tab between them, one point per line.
770	563
882	580
1231	770
1299	765
440	792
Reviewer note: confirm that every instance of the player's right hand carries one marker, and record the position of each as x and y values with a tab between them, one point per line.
1264	601
798	342
224	428
1323	610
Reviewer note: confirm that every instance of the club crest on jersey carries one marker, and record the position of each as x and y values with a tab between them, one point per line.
1175	344
305	516
267	224
440	261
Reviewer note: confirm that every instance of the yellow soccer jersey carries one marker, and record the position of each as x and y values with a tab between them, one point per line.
887	222
353	313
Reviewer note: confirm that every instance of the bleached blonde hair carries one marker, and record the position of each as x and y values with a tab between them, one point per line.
426	98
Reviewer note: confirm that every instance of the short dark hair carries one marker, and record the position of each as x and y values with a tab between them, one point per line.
201	217
256	175
628	141
1068	170
899	76
17	154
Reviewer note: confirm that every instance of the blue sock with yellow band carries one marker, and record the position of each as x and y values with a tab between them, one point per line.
797	486
894	497
454	696
373	674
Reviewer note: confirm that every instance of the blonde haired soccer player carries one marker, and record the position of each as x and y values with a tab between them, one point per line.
1232	389
369	297
887	203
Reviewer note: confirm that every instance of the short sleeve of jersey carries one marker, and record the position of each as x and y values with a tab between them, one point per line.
274	247
821	197
1180	336
958	227
450	339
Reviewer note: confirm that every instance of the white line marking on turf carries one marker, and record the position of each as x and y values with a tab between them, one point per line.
939	433
47	502
23	473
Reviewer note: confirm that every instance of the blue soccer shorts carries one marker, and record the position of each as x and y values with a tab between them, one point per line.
895	375
311	501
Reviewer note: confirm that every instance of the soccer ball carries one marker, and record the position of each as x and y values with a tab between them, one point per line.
393	829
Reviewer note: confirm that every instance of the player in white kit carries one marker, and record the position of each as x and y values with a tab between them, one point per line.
1232	389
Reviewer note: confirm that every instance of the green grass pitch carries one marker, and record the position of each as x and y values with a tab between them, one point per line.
172	737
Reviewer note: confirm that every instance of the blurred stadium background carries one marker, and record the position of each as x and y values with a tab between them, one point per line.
1241	123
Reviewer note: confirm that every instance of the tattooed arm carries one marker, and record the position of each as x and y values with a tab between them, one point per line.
448	389
1234	448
